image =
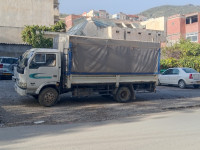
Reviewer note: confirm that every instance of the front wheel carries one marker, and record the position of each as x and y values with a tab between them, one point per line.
123	95
181	84
48	97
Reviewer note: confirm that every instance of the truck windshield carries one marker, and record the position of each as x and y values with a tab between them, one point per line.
24	59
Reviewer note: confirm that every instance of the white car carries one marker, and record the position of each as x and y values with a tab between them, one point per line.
180	76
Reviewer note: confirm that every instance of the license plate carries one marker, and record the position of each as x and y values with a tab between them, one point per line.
7	74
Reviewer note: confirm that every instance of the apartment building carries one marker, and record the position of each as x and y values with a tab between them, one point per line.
183	26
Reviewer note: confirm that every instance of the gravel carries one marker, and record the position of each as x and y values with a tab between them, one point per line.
16	110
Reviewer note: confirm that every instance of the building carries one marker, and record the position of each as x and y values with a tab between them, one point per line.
93	13
155	24
15	14
120	16
132	17
115	29
69	20
183	26
97	14
103	14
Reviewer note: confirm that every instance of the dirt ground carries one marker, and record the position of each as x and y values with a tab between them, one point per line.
16	110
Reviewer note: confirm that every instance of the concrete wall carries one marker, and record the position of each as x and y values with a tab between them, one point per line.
133	34
145	35
13	50
17	13
10	35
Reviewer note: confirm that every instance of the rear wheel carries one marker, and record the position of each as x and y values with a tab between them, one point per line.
181	84
123	95
48	97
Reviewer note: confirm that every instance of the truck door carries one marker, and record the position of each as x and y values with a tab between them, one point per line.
43	69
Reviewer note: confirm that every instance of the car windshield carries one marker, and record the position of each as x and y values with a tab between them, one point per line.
189	70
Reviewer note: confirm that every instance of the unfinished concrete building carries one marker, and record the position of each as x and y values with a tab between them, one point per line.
115	29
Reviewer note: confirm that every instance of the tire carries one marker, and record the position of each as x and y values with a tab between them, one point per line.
123	95
181	84
196	86
48	97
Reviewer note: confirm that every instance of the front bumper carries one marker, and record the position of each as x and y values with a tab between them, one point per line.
20	91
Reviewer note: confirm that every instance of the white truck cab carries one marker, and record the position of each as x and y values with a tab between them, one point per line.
36	69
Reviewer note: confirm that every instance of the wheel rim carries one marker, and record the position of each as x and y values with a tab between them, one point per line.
181	84
49	97
124	96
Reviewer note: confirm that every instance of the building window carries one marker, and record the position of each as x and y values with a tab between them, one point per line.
191	19
117	31
193	37
149	33
139	33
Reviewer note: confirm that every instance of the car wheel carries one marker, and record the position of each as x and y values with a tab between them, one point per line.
123	95
48	97
181	84
196	86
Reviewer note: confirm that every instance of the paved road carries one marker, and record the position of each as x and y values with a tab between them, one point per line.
161	131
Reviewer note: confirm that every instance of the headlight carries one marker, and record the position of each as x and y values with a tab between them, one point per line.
22	85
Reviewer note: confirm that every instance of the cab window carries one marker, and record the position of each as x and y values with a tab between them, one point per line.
43	60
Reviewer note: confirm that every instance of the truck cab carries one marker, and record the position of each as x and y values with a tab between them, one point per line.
37	69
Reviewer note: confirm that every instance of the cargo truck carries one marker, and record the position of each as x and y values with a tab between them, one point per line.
85	66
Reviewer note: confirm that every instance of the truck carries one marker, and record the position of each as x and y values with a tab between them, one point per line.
86	66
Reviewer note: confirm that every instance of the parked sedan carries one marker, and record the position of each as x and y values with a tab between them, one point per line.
6	66
180	76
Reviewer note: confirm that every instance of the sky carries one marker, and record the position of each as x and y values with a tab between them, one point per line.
116	6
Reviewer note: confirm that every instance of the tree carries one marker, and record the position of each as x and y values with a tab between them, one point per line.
34	35
182	54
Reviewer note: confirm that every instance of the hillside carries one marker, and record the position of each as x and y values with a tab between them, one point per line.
169	10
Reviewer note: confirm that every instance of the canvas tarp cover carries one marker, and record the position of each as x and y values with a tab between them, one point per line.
107	56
